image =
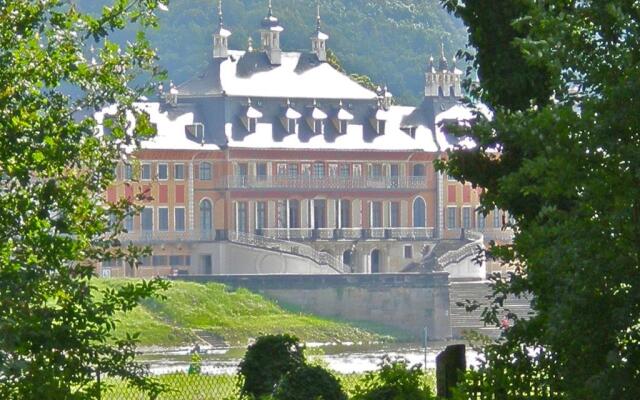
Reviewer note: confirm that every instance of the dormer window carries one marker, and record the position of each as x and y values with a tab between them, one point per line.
290	120
195	131
250	118
316	120
379	121
409	130
342	120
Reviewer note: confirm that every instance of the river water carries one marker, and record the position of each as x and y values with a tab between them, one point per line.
344	358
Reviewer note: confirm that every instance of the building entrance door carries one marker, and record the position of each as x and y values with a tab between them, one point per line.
375	261
207	264
319	214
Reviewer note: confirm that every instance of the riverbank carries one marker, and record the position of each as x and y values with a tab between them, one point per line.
211	313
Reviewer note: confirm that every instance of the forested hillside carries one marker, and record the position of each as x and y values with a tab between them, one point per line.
389	40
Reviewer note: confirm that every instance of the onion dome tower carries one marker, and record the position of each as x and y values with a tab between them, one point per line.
220	37
270	37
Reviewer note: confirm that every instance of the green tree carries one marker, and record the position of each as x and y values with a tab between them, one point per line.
56	329
561	79
309	382
267	361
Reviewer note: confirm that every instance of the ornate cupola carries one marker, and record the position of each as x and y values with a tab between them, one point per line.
442	81
270	37
319	39
220	37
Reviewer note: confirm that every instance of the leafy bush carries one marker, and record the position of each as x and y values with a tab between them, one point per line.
267	361
394	381
195	367
309	382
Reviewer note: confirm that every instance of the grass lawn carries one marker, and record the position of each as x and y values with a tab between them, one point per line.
235	316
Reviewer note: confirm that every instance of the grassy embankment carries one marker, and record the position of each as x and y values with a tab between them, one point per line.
235	316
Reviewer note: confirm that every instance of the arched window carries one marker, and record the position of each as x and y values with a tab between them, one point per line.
418	170
206	219
419	213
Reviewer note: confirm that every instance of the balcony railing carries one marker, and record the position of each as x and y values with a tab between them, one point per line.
288	234
303	182
403	233
163	237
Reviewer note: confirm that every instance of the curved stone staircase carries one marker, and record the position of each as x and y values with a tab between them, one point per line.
285	246
461	320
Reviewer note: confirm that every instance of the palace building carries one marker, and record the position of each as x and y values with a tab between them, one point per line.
271	161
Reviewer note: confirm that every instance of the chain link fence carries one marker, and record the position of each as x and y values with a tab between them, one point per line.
182	386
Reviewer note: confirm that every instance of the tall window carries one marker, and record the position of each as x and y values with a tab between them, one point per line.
480	220
344	170
318	170
146	219
243	169
466	217
418	170
242	218
394	211
292	170
145	173
128	223
319	213
261	215
163	172
451	217
178	224
261	170
205	171
496	218
128	172
376	171
376	214
178	171
345	214
294	214
281	169
163	219
419	213
206	220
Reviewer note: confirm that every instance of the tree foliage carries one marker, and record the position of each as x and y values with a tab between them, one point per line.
394	380
56	329
309	382
267	361
561	79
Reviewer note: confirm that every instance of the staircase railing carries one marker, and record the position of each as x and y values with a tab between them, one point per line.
295	248
468	250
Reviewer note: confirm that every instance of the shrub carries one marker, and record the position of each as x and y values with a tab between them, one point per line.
195	367
267	361
394	381
309	382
